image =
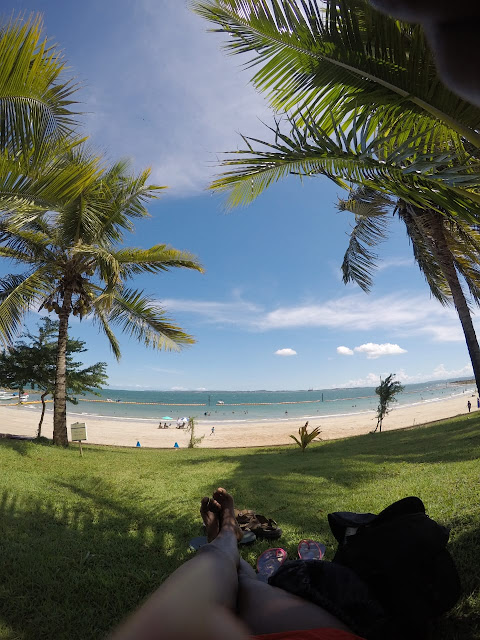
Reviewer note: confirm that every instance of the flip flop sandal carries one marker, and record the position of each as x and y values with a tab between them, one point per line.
269	562
267	528
310	550
248	538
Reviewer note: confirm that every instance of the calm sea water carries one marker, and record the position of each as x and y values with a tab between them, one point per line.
247	406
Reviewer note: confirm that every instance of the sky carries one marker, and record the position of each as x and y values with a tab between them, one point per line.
271	310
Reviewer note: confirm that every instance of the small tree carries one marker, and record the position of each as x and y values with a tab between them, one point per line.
386	392
304	437
14	370
34	363
191	428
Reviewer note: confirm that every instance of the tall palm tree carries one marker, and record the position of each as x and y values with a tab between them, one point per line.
367	108
69	244
445	249
36	99
435	195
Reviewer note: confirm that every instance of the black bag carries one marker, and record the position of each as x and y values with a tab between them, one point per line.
401	555
391	575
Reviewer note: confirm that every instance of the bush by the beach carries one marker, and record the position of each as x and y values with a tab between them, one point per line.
305	437
84	540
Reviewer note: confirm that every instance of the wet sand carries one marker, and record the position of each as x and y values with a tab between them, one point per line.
23	420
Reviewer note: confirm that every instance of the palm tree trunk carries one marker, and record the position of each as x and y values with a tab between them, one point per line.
42	397
60	436
444	257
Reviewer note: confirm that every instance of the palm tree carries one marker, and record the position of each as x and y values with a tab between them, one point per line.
343	57
445	249
368	110
36	104
440	213
70	246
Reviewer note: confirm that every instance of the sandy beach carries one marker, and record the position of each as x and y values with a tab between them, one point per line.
23	420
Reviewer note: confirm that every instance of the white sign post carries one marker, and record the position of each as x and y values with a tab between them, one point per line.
79	433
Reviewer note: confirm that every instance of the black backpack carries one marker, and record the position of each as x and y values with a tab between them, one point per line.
401	555
391	575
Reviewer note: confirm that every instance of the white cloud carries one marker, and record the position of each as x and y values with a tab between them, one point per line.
344	351
178	389
373	350
181	101
439	373
285	352
402	313
388	263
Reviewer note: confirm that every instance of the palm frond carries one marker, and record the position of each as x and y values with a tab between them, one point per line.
370	209
100	318
426	261
28	194
142	318
351	157
341	54
154	260
35	101
18	294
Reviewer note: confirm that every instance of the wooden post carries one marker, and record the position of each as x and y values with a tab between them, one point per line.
81	452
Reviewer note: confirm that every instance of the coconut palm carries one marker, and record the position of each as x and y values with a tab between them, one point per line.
367	109
445	249
75	263
36	100
434	196
344	57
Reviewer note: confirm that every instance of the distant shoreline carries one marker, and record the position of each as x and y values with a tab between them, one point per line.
117	431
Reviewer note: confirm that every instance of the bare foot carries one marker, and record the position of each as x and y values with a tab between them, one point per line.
210	513
228	522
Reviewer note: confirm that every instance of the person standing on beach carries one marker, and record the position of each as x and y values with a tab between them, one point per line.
469	405
212	432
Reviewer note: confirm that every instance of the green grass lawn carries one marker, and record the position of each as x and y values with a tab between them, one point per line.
84	540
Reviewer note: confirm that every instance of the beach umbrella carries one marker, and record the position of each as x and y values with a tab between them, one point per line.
166	418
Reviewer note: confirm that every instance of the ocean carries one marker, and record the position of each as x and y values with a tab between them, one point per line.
250	406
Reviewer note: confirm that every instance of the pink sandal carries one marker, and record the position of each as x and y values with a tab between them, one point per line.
269	562
310	550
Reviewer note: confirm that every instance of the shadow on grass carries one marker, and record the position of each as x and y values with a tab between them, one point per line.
463	622
355	460
74	571
74	564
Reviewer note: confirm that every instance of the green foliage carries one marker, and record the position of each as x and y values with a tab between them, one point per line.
36	99
386	392
373	211
33	361
194	441
106	530
76	247
304	437
345	57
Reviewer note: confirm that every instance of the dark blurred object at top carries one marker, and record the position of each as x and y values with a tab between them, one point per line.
452	29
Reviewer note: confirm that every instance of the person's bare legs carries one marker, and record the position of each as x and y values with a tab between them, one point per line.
223	534
266	609
198	599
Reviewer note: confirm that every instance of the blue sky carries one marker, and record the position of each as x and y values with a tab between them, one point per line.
158	89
